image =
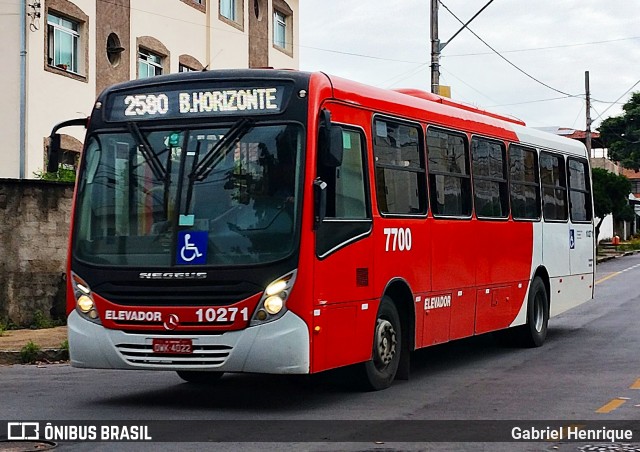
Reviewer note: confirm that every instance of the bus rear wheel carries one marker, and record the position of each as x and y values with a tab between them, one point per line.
199	377
534	332
380	371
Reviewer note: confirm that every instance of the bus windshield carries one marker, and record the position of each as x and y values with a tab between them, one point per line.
234	190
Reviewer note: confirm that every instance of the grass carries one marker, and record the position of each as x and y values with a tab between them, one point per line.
631	245
41	321
29	353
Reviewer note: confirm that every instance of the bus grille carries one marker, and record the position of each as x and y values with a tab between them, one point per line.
176	293
203	355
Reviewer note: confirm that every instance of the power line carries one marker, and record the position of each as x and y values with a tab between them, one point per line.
403	76
531	101
534	49
531	49
340	52
506	60
468	85
616	101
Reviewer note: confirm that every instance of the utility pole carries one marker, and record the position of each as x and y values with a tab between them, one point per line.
588	107
435	49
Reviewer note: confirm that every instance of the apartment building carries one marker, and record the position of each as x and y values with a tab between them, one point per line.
60	54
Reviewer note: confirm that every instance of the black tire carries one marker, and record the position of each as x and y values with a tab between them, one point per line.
199	377
379	372
534	332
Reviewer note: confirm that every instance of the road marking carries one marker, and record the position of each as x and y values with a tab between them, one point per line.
616	273
609	407
636	385
607	277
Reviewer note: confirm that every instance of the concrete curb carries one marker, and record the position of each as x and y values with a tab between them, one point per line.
45	356
615	256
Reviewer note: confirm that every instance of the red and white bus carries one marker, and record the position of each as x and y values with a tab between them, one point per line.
286	222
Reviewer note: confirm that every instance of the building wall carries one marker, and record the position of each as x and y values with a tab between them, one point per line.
112	18
53	95
606	228
179	27
184	29
277	58
229	44
9	89
606	164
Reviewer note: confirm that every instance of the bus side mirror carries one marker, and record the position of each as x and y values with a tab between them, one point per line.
53	153
331	147
55	146
320	200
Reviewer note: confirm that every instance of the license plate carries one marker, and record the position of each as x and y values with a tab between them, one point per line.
173	346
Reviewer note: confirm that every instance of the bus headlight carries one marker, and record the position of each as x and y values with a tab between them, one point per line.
273	303
85	305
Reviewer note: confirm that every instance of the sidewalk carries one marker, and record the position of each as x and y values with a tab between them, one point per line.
50	341
608	255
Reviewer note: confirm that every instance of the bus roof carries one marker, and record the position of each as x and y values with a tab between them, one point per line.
435	109
217	75
412	103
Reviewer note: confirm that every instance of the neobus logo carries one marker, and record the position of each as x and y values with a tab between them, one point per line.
173	275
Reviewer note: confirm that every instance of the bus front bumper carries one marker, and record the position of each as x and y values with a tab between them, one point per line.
278	347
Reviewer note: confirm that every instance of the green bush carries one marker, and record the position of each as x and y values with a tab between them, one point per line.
29	353
62	175
64	345
630	246
40	321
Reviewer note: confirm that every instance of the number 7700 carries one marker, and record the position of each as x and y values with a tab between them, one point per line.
401	240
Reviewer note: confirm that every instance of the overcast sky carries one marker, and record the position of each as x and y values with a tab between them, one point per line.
386	43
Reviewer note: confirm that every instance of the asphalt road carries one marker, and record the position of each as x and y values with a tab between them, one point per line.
589	369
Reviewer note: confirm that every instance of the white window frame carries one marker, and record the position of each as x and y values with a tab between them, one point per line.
280	24
146	58
55	25
185	68
228	9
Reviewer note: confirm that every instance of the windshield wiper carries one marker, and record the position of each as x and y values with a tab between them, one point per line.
213	157
157	168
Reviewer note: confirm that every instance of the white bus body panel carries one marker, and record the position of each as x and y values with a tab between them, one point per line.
278	347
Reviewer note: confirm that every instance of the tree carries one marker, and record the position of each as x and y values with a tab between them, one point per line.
611	196
621	134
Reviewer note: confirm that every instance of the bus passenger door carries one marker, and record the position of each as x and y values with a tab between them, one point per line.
342	312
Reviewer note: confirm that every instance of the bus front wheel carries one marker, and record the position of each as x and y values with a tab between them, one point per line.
199	377
380	371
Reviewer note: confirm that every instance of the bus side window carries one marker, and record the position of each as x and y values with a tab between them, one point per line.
553	181
347	204
490	178
525	188
579	190
400	168
449	175
350	201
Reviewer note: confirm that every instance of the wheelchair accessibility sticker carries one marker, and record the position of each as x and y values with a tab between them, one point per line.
192	247
572	239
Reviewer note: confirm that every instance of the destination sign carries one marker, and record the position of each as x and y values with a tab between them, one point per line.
182	103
